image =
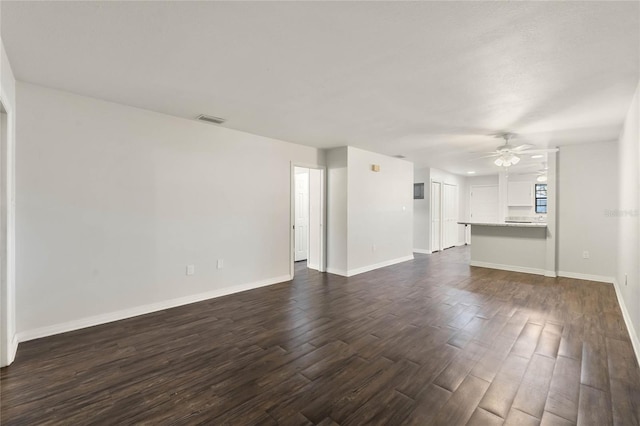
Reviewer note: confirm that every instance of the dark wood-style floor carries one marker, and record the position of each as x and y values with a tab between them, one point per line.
431	341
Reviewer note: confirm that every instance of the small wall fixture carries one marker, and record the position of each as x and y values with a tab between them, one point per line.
210	119
375	167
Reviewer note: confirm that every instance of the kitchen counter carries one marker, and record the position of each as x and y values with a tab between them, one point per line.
513	224
511	246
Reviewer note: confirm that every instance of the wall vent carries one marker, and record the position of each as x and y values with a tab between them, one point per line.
210	119
400	156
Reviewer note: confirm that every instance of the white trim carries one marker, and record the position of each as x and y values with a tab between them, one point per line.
633	335
312	266
550	274
423	251
142	310
586	277
431	210
322	267
9	344
512	268
336	271
368	268
12	349
460	244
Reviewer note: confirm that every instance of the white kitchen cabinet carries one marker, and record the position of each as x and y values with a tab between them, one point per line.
520	194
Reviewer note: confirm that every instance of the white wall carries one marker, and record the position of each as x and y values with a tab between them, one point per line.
422	214
380	210
337	210
587	182
627	216
116	201
370	214
8	342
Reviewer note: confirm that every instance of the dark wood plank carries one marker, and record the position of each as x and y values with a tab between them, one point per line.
527	341
550	419
503	389
564	392
595	368
481	417
594	408
432	341
460	407
428	403
519	418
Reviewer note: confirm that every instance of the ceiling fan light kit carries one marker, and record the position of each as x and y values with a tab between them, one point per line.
507	160
507	153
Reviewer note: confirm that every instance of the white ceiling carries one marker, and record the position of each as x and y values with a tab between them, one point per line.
428	80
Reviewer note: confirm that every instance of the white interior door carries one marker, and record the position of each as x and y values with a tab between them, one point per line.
449	215
436	216
301	232
483	205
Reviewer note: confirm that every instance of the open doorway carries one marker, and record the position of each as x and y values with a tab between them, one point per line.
444	215
308	218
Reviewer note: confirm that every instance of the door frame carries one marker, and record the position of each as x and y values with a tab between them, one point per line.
431	197
296	231
322	261
457	204
9	344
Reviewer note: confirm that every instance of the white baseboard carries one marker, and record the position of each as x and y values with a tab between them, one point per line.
337	271
512	268
586	277
633	334
141	310
422	251
363	269
313	266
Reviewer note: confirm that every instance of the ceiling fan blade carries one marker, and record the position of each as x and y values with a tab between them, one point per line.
486	156
521	148
539	151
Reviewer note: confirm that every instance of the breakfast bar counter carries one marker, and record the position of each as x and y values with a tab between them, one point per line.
509	246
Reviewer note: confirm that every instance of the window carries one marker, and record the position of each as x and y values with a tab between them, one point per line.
418	191
541	197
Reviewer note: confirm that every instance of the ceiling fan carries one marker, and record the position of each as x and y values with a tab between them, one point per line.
508	154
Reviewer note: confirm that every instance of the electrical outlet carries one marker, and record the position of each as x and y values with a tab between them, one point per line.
625	279
585	254
191	269
220	263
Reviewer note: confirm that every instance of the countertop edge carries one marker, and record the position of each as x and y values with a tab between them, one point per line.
512	225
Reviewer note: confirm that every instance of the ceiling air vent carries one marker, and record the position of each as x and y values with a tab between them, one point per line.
210	119
399	156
